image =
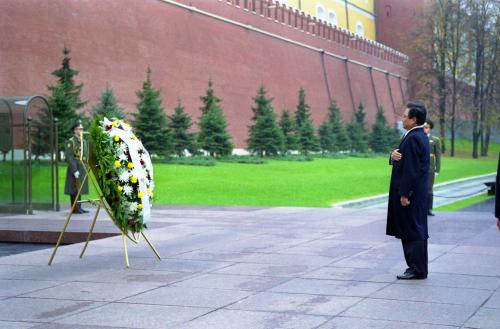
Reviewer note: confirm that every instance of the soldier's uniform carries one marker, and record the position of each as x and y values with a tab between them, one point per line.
434	167
72	154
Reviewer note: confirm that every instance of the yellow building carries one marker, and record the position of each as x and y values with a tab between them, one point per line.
357	16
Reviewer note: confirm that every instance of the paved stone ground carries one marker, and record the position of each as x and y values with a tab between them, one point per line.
261	268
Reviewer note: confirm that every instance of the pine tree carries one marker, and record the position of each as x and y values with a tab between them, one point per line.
288	130
64	101
151	123
265	137
108	106
394	137
213	136
357	131
326	138
341	141
307	140
381	134
180	123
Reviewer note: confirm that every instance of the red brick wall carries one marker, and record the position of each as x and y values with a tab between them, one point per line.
396	21
113	42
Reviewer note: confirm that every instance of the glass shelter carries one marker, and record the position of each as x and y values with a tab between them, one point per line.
28	163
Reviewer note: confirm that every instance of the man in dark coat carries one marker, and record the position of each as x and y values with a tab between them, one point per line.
407	208
497	195
435	164
76	170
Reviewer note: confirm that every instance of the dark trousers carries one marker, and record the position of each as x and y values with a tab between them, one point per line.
77	206
416	256
430	200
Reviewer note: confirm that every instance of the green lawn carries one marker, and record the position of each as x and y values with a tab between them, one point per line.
317	183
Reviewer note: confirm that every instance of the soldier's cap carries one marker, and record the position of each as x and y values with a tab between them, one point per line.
77	124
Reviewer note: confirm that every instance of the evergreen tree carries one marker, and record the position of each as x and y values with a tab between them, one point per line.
288	129
108	106
213	136
357	131
307	140
41	126
394	137
341	141
265	136
151	124
64	101
381	134
326	137
180	123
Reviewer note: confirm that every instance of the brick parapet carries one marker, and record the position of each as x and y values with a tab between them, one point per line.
266	13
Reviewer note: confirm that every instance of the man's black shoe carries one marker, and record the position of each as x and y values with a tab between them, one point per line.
411	276
430	213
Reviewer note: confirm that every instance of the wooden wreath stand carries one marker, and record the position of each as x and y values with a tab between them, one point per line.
100	202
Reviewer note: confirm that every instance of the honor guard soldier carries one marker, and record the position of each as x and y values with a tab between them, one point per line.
76	153
435	162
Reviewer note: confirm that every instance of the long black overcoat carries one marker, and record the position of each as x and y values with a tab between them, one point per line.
409	178
72	154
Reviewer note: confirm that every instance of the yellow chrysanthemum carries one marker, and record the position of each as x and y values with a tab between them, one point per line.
116	138
114	123
130	165
118	164
139	195
133	179
119	188
139	206
126	125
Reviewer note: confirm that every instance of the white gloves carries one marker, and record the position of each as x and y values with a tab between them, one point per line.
76	174
437	174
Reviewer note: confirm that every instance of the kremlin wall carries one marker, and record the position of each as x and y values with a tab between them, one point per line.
239	44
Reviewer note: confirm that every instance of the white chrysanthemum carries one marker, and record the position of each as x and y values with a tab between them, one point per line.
133	206
123	147
122	156
127	190
139	173
124	175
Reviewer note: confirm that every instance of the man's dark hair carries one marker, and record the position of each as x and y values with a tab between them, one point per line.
418	111
430	123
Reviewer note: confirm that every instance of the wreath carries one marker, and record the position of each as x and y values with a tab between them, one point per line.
124	173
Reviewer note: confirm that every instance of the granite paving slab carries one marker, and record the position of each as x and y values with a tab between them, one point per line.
261	268
295	303
232	282
433	294
17	325
236	319
10	288
135	316
329	287
494	301
183	296
266	269
408	311
92	291
41	310
485	318
350	274
342	322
